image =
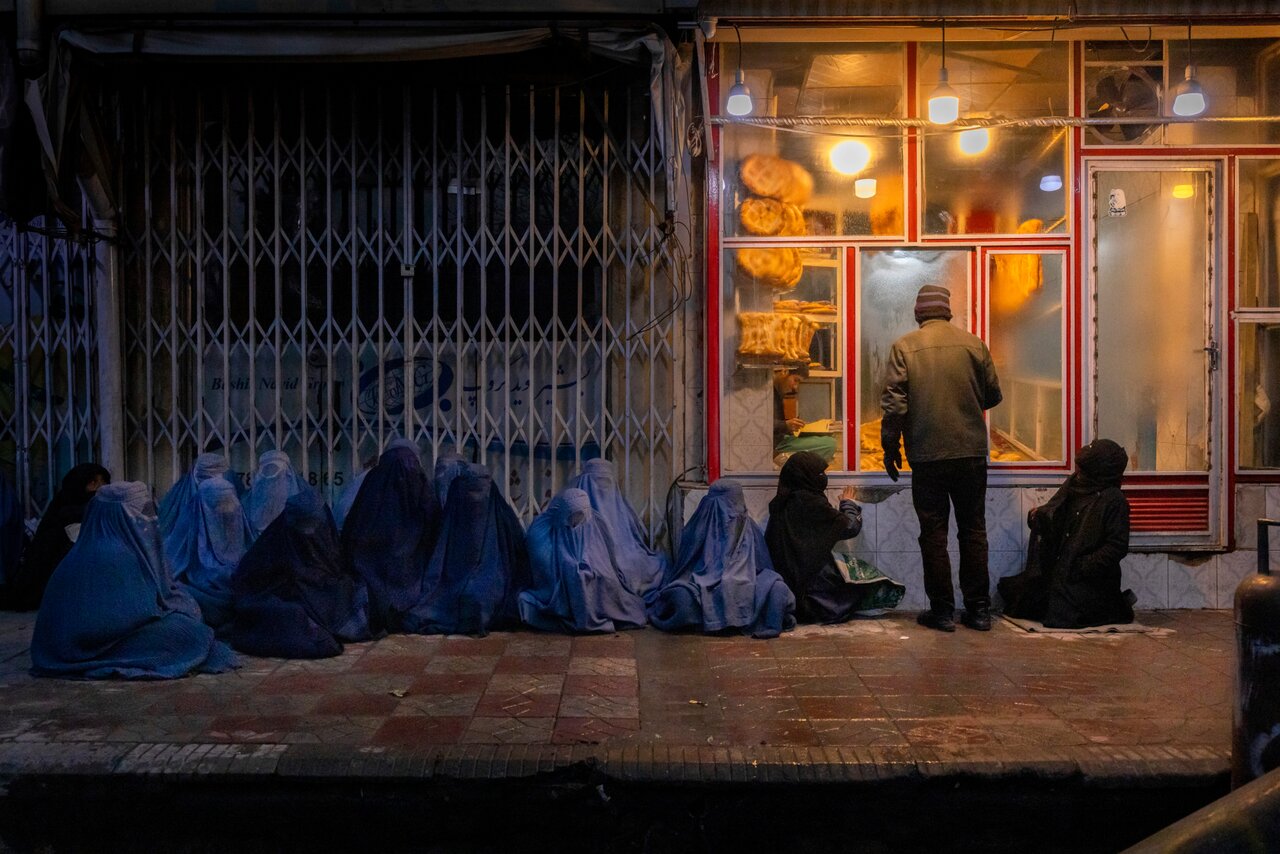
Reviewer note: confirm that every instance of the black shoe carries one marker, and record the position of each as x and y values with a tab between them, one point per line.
978	619
934	620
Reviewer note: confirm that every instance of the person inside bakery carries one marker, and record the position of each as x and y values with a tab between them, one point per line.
786	437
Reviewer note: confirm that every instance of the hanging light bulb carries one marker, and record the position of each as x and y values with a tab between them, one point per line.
974	140
944	103
850	156
1050	183
864	188
739	103
1189	96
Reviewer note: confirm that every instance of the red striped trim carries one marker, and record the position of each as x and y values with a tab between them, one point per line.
1168	511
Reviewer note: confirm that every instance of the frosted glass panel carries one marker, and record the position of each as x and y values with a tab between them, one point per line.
886	311
1026	345
1153	243
1259	256
1259	404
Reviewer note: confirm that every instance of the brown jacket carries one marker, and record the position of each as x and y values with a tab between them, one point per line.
937	384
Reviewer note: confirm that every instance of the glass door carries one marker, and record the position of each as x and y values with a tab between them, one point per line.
1154	349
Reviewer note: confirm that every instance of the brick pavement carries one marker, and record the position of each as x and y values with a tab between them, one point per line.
871	700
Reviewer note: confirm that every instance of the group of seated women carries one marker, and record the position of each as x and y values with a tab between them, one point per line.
155	593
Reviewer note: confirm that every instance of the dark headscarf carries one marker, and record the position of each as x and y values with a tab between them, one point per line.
1100	465
51	543
803	526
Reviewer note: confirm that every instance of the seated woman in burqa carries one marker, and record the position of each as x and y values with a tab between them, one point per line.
803	528
1078	538
479	563
577	586
220	535
179	507
293	595
389	533
54	536
112	609
642	567
342	506
723	577
274	484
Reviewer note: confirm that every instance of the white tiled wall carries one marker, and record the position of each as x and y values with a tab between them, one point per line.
890	529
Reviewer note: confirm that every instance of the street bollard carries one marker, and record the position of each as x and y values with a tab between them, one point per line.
1255	744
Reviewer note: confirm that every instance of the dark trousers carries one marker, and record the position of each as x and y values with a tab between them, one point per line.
936	487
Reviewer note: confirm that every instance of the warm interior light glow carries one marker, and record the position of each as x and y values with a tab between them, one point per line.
1190	97
1183	191
739	102
850	156
1049	183
974	140
944	103
864	188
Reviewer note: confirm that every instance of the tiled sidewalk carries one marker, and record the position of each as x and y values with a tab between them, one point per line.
870	699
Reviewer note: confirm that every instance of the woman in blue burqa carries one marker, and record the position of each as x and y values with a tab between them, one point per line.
274	483
723	577
112	608
479	563
178	508
293	595
53	538
219	537
576	583
642	567
389	534
803	529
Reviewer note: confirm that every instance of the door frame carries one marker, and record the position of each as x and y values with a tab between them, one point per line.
1149	490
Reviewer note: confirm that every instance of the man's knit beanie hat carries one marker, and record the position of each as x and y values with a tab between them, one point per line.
933	301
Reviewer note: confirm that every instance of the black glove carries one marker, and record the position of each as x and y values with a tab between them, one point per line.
892	460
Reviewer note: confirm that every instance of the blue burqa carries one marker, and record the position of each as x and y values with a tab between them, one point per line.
220	535
342	506
723	577
180	506
448	467
389	533
576	584
274	484
294	597
11	533
641	567
479	563
111	607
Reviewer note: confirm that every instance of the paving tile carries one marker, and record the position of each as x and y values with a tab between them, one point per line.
601	686
931	732
461	664
534	664
599	707
593	730
356	704
437	705
859	733
409	665
840	708
449	683
508	730
416	730
248	729
601	666
507	704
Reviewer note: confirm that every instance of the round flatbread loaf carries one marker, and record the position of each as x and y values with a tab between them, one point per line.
766	175
792	222
800	188
778	267
761	216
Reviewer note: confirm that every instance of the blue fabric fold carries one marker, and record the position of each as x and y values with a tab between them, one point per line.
389	534
343	505
274	484
723	578
294	596
479	563
642	567
576	585
220	535
109	608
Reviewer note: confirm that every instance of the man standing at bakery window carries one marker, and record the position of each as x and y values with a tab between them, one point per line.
938	382
785	440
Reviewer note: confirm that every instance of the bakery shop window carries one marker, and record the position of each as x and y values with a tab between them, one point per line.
796	183
999	179
1259	249
781	382
1259	401
890	280
1025	319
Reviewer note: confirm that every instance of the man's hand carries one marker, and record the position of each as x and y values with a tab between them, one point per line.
848	494
794	424
892	462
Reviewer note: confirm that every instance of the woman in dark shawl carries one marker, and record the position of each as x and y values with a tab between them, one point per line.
642	566
576	583
112	608
293	596
1078	539
479	563
723	577
803	529
52	540
389	533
